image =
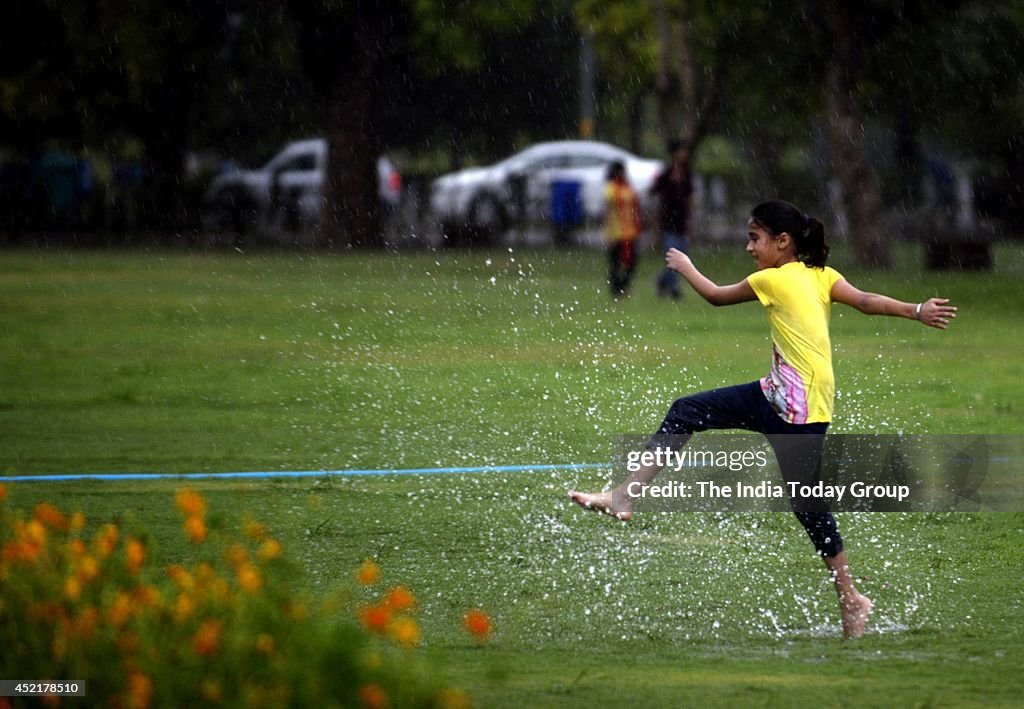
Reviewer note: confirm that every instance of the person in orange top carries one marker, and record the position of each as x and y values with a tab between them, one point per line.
621	228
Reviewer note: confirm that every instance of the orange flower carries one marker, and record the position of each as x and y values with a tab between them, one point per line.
180	576
88	569
72	588
183	607
372	696
121	609
195	529
369	573
207	638
134	555
453	699
375	618
249	578
148	596
237	555
106	540
400	598
478	624
3	493
50	516
256	531
265	643
404	631
77	522
34	532
140	690
77	548
211	690
270	550
190	502
87	622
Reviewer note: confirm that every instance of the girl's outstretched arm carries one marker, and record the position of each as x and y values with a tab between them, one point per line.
934	312
707	289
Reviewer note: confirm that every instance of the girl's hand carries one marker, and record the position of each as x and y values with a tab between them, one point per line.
936	313
677	260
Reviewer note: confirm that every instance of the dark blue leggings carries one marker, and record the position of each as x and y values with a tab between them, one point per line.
745	407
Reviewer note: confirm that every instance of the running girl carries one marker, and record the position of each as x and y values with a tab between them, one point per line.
797	289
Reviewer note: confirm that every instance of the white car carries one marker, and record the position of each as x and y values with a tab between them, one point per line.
520	189
289	188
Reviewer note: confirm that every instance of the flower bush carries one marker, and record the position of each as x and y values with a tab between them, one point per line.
225	629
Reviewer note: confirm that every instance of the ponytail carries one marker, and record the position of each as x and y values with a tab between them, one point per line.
810	245
808	233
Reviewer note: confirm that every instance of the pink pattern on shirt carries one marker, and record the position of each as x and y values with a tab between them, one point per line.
785	390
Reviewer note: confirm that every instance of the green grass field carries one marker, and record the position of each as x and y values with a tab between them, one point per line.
209	362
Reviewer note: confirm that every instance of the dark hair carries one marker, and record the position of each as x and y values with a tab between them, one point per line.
674	144
776	216
616	169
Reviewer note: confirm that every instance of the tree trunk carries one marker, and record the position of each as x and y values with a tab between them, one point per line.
861	197
351	210
680	76
663	84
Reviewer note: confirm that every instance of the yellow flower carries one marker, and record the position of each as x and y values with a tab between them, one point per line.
404	631
369	572
190	502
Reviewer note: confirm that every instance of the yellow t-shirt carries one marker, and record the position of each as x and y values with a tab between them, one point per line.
622	210
798	299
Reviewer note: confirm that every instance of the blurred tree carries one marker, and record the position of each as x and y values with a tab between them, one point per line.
845	30
348	51
94	71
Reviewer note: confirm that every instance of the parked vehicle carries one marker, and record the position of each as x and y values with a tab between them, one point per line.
487	200
287	191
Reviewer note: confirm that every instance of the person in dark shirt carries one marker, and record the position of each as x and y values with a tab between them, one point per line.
674	190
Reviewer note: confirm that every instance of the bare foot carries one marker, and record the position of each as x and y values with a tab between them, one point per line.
855	615
602	502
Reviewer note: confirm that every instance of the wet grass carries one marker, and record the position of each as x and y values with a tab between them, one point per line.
171	362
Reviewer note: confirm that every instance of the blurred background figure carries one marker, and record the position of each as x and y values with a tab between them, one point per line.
622	228
674	191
